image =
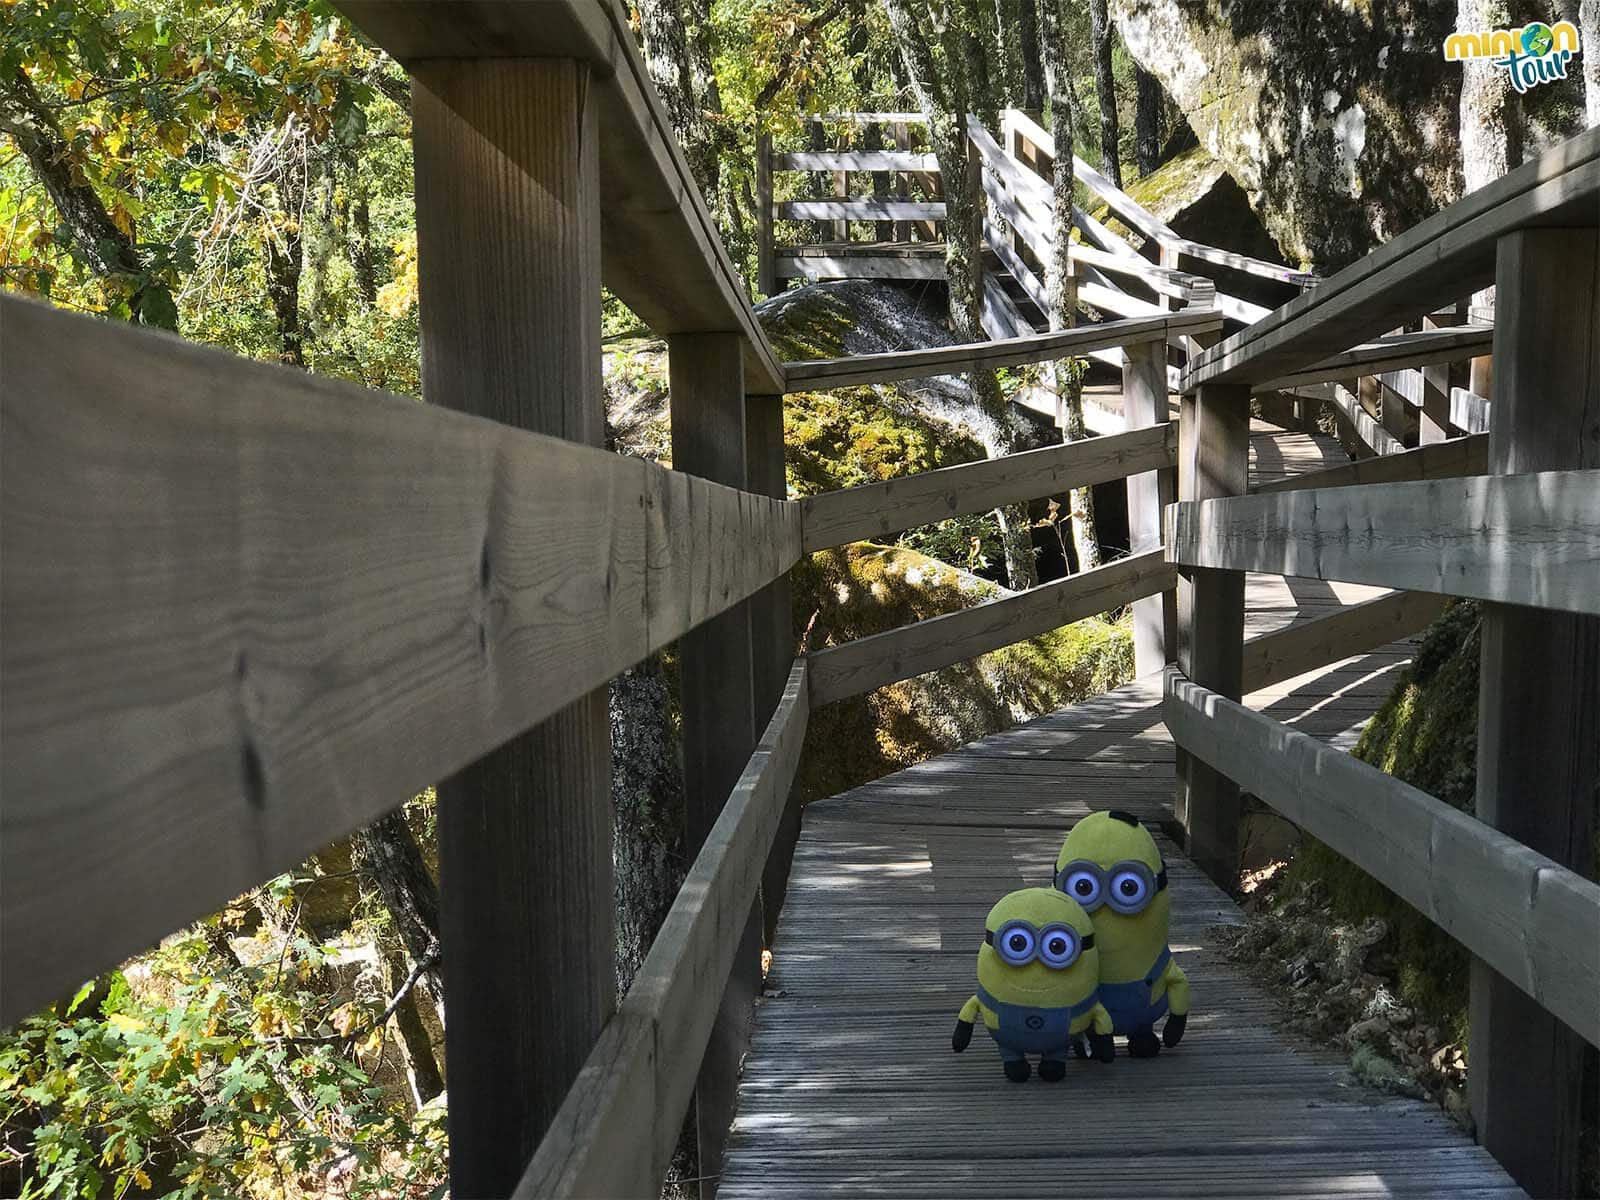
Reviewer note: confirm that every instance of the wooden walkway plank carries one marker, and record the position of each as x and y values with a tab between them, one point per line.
850	1088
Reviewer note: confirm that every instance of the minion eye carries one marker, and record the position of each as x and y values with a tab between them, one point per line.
1058	948
1129	890
1016	944
1084	887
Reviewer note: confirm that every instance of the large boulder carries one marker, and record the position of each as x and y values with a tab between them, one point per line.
1338	119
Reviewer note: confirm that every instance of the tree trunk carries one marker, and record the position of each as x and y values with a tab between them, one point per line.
667	59
648	807
1060	286
1105	91
1489	133
1008	50
284	258
1589	37
422	1063
109	251
1147	121
1032	64
388	852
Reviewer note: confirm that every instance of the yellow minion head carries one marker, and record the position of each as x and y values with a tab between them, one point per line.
1110	866
1039	950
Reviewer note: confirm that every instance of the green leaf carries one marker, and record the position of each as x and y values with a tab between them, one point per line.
83	994
156	307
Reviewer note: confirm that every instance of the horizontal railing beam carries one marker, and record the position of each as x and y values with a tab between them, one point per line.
1354	629
1531	539
856	160
269	607
615	1133
1535	922
877	510
861	209
1433	263
872	662
1442	460
822	373
1393	353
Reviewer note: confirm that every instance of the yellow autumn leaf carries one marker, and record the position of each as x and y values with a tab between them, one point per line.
125	1023
141	1178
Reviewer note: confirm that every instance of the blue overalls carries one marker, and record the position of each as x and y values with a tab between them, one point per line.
1024	1029
1129	1003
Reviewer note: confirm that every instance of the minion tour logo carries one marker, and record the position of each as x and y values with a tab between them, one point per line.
1534	54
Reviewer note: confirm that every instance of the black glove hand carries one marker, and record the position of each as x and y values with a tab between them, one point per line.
1105	1050
1172	1031
960	1039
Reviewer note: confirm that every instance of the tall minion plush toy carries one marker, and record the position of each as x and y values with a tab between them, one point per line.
1110	866
1037	971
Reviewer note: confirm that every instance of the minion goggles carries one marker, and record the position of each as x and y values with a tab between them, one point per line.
1056	946
1128	887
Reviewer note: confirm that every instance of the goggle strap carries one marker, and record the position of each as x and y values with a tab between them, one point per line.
1085	940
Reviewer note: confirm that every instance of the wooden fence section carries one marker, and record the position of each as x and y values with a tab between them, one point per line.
1285	653
277	603
616	1132
1442	460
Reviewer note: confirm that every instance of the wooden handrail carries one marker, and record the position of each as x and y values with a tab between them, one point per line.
1528	539
274	605
1353	629
1446	256
856	160
1442	460
861	209
619	1125
876	510
872	662
1393	353
1536	922
648	193
970	356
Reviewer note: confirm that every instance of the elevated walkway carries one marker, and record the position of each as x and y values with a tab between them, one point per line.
850	1088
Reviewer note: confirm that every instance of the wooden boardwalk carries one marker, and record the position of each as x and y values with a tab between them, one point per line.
850	1087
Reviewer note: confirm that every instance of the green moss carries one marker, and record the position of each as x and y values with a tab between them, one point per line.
859	590
859	435
1426	733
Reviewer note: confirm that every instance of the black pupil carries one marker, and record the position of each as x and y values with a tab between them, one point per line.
1129	887
1058	946
1018	942
1084	887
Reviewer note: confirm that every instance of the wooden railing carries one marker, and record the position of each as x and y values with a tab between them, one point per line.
246	611
1511	517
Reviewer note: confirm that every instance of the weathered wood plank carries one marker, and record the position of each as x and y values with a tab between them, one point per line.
1529	539
1468	411
279	604
855	266
971	356
877	510
1144	404
870	662
1369	434
1539	700
1431	264
1396	352
1297	648
1442	460
1484	889
855	160
661	251
861	209
617	1130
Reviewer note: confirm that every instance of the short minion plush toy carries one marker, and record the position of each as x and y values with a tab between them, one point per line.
1109	864
1037	971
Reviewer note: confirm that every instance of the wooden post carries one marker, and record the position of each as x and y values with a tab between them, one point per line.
1434	420
718	696
1213	460
771	636
902	189
1144	403
766	273
1538	696
841	191
506	157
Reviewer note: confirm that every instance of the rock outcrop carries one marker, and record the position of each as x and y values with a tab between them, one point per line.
1339	118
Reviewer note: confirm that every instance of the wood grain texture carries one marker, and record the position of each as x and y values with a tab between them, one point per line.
616	1132
1534	920
662	254
1443	460
870	662
1529	539
1213	461
1393	352
1539	699
877	510
1431	264
1144	404
971	356
277	605
791	265
861	209
1352	629
855	160
508	241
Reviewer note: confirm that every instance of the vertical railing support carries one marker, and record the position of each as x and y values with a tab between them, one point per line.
1213	460
506	157
1434	419
1538	696
1144	403
720	728
766	268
